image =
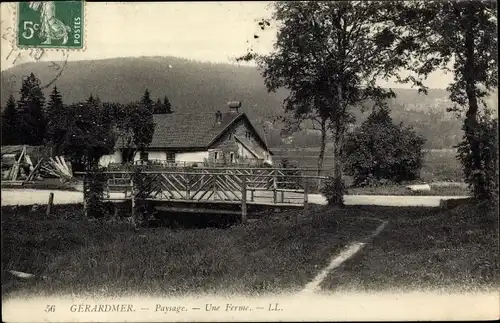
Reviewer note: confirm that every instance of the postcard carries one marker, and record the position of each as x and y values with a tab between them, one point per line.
249	161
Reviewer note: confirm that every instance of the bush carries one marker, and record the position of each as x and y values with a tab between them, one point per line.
333	190
94	193
288	170
483	180
380	150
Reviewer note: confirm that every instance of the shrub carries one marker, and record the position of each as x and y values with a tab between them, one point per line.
288	170
482	180
333	190
94	193
380	150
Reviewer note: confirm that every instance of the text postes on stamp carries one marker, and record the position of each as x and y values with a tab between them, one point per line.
51	24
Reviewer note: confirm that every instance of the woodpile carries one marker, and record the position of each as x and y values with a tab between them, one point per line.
58	167
20	168
23	168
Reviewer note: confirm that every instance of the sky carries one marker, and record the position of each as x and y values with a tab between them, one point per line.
205	31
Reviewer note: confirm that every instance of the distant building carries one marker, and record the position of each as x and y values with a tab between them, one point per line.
187	139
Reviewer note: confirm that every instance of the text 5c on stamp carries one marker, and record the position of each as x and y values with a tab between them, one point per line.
51	24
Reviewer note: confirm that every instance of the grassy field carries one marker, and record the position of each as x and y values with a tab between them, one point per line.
439	164
456	250
269	255
401	190
422	248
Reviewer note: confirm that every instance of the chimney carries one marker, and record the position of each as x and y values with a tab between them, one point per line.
234	106
218	117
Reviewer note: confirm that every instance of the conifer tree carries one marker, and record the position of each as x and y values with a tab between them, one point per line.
54	114
147	102
167	105
10	135
32	124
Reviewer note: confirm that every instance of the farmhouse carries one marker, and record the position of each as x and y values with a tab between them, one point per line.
197	139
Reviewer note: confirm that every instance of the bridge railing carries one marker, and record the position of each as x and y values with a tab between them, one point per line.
237	186
271	185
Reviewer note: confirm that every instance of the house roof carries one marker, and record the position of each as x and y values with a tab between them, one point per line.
191	130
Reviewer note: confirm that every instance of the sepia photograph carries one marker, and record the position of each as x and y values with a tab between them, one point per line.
249	161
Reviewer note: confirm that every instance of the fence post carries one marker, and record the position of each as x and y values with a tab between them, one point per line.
275	186
132	197
85	207
243	199
51	202
306	196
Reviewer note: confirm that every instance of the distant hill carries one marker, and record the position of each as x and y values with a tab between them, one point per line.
204	87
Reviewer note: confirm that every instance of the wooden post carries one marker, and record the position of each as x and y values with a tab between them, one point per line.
275	186
243	199
132	198
251	195
85	207
51	203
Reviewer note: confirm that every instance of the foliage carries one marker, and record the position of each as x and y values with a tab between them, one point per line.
87	135
288	170
167	105
381	150
9	123
328	55
143	184
95	182
330	190
147	102
163	108
461	37
483	181
133	127
32	124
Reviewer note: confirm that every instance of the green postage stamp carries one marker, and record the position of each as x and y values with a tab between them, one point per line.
51	24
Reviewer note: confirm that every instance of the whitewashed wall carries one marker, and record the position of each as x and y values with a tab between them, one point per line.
189	157
107	159
152	155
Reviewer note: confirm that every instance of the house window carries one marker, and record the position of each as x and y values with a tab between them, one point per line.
170	157
216	155
232	157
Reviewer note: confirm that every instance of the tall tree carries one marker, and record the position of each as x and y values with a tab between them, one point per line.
147	102
461	37
87	134
329	55
134	128
54	114
10	134
159	109
32	124
167	105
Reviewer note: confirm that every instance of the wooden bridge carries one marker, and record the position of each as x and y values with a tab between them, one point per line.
213	186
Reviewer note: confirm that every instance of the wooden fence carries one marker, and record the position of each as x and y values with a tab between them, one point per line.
262	186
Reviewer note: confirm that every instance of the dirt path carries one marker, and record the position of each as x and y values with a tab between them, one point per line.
339	259
33	196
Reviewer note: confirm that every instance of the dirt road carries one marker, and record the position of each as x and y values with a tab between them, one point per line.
32	196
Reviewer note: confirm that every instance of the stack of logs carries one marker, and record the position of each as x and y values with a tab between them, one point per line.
58	167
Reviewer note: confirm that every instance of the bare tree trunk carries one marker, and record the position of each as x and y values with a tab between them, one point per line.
338	139
471	122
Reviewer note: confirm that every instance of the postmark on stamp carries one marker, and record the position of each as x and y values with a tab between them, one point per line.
51	24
